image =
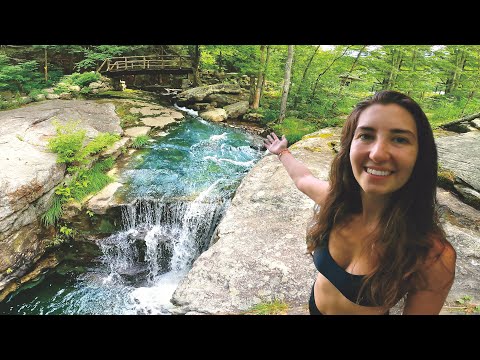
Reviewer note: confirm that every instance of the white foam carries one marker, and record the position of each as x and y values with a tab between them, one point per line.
187	110
218	137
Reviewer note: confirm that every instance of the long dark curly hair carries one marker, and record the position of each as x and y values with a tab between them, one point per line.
408	222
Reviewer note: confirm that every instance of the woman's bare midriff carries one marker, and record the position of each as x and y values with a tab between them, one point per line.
330	301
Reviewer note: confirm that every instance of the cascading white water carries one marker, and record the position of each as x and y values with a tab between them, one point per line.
159	243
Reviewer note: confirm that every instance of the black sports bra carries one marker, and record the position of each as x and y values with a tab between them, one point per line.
348	284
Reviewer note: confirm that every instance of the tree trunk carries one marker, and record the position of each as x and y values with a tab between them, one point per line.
325	70
342	86
286	83
264	73
258	89
252	90
195	64
461	67
463	119
472	92
46	66
452	81
298	93
397	58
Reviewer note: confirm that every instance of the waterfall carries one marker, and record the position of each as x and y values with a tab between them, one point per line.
177	191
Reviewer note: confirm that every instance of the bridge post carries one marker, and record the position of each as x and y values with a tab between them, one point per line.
116	84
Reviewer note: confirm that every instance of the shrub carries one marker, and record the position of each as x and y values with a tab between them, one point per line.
84	79
68	142
140	141
294	129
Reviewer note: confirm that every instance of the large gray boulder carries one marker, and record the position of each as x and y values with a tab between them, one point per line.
459	154
237	109
199	94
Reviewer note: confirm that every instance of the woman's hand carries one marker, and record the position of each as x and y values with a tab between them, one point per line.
274	144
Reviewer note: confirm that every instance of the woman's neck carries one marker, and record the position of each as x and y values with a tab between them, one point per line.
372	208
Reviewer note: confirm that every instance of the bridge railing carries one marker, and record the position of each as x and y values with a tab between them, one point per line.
152	62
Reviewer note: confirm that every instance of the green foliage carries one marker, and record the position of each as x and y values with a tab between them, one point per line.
68	141
122	109
230	58
92	180
331	122
76	79
140	141
86	91
275	307
269	114
294	129
99	143
464	299
56	241
51	216
68	144
64	235
94	55
443	109
443	79
68	232
22	77
34	93
84	79
466	305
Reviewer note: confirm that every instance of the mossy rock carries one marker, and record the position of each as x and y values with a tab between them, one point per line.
445	179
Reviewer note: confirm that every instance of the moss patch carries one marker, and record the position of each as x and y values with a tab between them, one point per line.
316	136
275	307
316	149
445	178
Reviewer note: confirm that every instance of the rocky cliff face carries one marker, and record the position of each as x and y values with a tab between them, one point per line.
29	174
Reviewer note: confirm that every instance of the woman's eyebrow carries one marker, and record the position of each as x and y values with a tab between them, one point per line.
395	131
402	131
365	128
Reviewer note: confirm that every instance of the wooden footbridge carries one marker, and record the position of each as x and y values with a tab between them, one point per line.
160	64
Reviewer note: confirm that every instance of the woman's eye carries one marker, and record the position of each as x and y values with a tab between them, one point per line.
401	140
364	136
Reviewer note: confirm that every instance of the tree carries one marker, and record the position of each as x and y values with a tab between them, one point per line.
300	87
195	53
265	71
312	96
349	73
286	83
260	77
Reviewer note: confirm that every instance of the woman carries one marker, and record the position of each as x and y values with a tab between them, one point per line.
376	237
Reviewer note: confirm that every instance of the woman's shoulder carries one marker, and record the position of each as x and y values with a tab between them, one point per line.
441	249
439	265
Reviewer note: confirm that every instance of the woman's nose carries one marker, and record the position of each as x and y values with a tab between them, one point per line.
379	152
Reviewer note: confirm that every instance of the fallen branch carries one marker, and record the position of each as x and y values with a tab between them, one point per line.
465	118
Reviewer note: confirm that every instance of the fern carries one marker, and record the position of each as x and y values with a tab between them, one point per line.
51	216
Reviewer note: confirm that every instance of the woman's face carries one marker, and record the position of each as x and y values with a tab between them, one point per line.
384	148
